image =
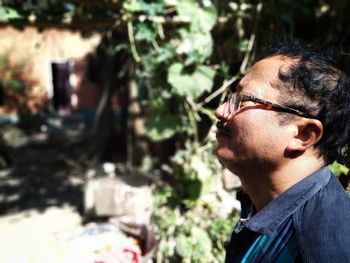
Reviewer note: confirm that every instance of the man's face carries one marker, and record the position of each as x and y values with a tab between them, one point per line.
254	136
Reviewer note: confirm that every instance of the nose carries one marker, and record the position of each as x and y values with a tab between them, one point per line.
223	112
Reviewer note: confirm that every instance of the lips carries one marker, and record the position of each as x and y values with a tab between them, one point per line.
220	134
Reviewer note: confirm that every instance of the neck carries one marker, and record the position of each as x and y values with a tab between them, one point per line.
264	186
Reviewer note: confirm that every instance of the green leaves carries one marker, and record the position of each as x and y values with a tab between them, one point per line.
197	46
202	19
338	168
196	41
146	31
149	7
14	85
191	85
161	124
194	235
7	14
183	246
132	6
166	59
197	246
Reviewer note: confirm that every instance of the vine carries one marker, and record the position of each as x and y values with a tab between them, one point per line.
173	46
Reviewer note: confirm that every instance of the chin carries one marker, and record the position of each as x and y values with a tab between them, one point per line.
223	156
229	161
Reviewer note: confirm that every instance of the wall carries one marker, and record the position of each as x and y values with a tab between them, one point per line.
37	49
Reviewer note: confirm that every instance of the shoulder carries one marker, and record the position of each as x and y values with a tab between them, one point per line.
331	202
322	225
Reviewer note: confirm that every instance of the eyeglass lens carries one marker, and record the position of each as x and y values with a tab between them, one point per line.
234	102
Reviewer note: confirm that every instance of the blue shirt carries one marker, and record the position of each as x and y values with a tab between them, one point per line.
307	223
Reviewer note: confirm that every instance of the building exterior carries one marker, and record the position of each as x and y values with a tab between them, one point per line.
51	65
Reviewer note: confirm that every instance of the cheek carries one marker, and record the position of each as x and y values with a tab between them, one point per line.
255	137
271	140
235	145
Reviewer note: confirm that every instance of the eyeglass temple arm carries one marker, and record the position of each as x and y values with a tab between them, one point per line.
277	106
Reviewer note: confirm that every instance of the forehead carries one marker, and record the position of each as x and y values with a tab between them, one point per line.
262	77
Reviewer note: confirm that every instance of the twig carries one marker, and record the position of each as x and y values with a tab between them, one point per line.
217	92
132	42
251	40
194	107
160	31
242	67
155	46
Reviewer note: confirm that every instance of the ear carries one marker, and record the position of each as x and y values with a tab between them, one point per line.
307	133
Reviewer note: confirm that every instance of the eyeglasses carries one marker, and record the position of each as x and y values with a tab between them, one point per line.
235	100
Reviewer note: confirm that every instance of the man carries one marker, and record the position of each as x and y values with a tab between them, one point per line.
288	118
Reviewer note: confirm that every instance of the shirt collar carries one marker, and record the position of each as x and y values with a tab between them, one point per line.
268	219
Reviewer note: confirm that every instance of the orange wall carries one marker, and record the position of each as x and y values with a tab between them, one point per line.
37	49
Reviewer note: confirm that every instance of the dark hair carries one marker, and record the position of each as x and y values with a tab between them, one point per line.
320	87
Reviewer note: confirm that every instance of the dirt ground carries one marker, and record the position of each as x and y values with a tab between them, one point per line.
33	236
41	196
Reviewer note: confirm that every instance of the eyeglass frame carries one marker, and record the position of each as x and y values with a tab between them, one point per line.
270	105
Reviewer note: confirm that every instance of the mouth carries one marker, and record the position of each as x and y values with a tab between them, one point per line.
223	130
220	134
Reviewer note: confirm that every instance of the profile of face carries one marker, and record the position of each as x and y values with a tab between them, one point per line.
254	134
